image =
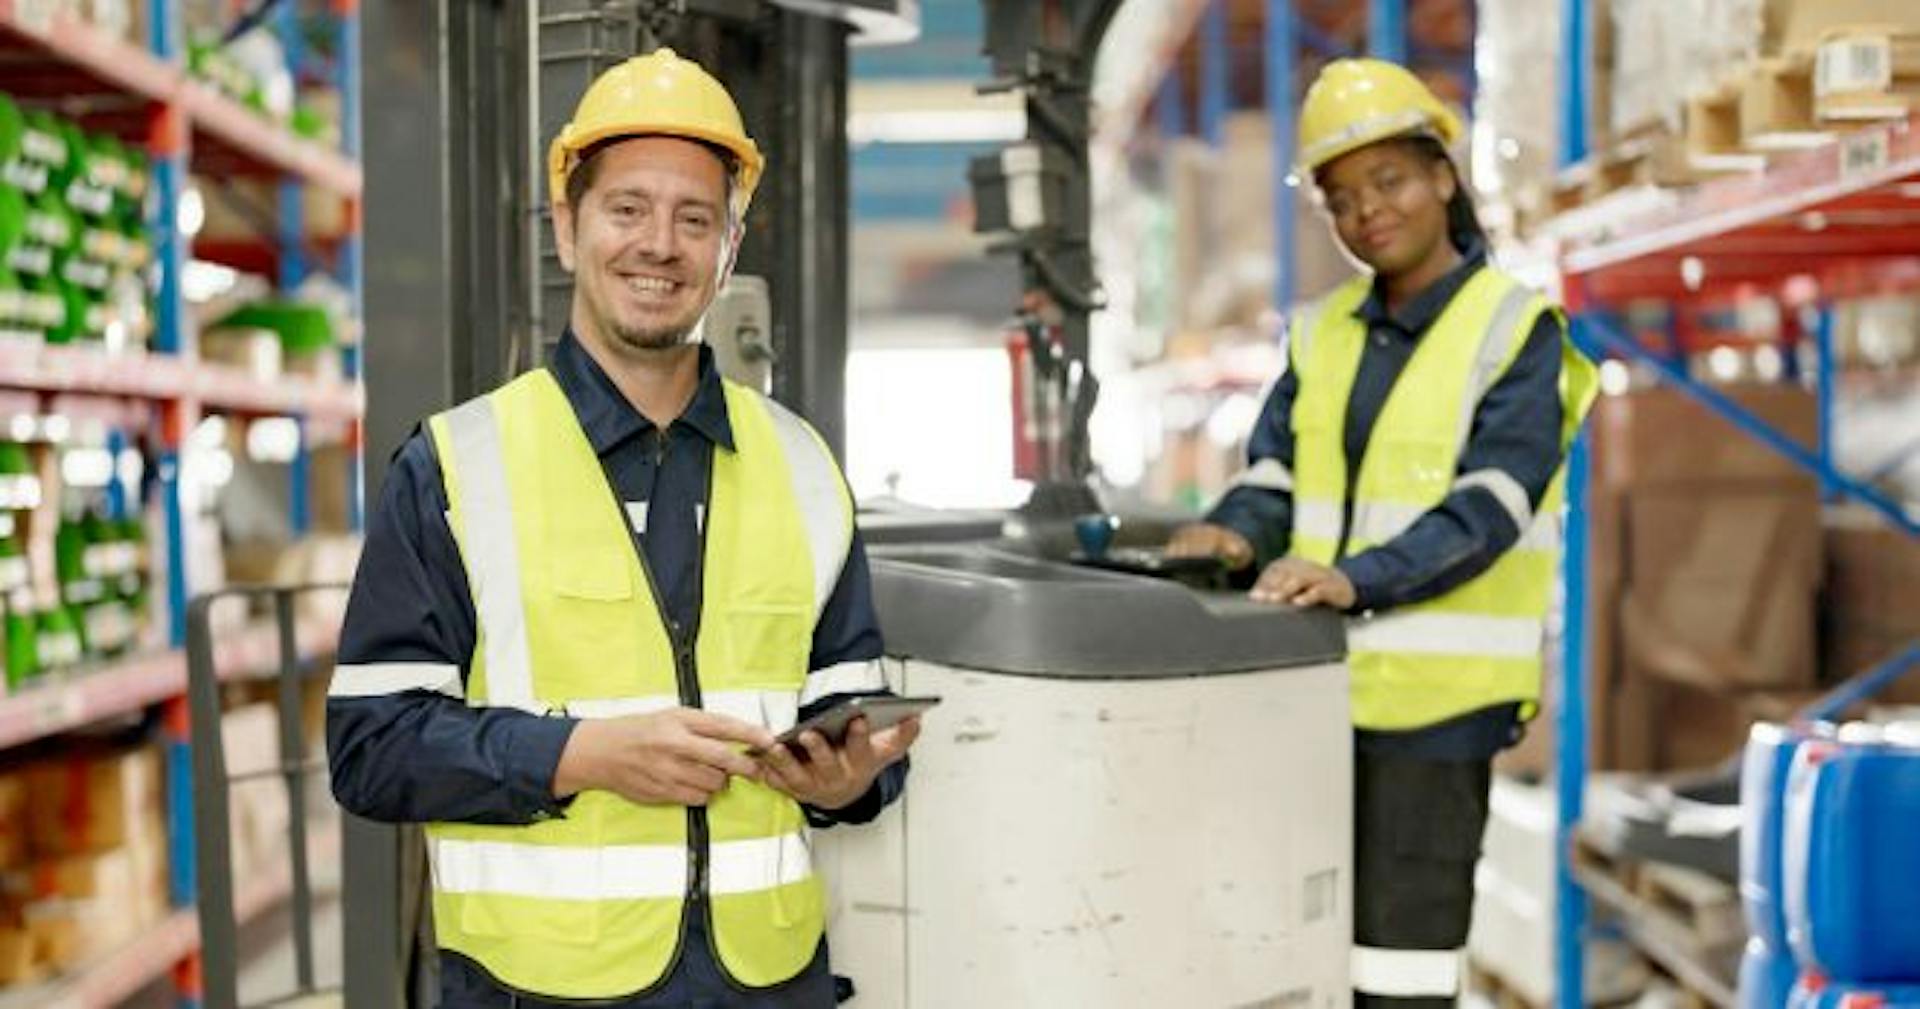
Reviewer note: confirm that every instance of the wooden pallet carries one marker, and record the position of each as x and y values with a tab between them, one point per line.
1708	908
1494	989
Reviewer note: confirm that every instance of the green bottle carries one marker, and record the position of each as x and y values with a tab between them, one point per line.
78	584
82	271
58	640
13	309
23	647
80	183
109	621
30	150
133	541
44	302
19	482
48	222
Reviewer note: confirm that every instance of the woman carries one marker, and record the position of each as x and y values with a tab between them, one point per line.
1405	471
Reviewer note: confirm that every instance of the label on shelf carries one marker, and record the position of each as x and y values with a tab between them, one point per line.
88	274
34	259
58	649
20	492
14	573
48	229
1866	152
89	199
1860	63
107	625
25	176
43	147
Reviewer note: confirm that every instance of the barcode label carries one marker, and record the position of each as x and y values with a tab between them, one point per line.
1865	153
1856	64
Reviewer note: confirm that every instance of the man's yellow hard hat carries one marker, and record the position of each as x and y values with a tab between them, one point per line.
658	94
1357	102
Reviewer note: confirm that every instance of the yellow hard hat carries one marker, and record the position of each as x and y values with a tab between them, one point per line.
658	94
1357	102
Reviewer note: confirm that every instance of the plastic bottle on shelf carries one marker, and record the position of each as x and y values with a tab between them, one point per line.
19	482
30	151
23	645
73	563
79	183
133	579
106	620
58	641
43	303
16	324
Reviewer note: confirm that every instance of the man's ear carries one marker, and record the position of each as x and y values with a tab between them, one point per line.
730	254
563	234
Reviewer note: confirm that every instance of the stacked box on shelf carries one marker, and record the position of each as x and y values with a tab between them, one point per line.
1705	567
92	871
1872	599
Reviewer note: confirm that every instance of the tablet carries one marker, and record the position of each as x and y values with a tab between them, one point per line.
881	712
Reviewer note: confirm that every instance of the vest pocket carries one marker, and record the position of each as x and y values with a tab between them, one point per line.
767	643
596	575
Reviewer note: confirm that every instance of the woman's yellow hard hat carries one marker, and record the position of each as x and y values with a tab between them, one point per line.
658	94
1357	102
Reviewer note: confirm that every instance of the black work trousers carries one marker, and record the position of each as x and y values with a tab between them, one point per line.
1417	830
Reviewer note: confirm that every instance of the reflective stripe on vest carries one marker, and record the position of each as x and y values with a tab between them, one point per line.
615	872
381	679
589	904
1479	644
486	519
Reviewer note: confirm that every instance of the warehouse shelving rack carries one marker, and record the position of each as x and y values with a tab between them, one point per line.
144	96
1817	226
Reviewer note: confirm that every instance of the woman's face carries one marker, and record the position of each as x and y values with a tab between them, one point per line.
1388	204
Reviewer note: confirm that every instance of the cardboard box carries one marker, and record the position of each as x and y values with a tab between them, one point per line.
1872	599
258	809
92	803
1721	584
17	960
14	844
1661	437
1724	634
1796	26
1867	73
1700	728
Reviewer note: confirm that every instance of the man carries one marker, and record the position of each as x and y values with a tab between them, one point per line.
591	597
1406	470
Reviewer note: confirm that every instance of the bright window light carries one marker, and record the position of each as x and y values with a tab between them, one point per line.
933	426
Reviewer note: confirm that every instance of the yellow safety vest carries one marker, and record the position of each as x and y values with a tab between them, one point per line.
590	904
1479	644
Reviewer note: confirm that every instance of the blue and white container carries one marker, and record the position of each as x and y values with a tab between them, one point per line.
1767	976
1851	857
1763	789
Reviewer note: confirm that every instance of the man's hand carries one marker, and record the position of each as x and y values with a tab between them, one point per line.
833	777
681	756
1204	539
1303	583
